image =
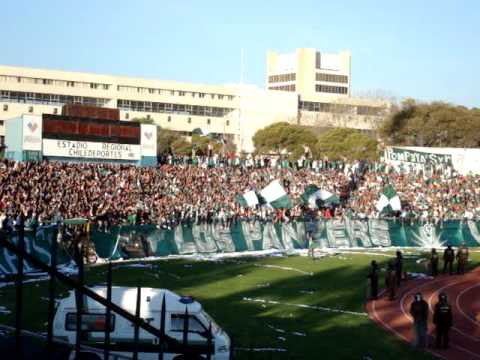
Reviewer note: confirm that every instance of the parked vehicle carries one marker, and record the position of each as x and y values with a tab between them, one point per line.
93	324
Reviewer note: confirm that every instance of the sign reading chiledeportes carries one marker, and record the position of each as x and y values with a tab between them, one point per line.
32	132
418	157
92	150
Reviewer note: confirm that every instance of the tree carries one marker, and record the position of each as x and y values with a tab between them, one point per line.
432	124
165	140
349	144
284	137
143	120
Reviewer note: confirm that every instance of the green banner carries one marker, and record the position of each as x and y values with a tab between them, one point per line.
417	157
38	245
252	236
122	241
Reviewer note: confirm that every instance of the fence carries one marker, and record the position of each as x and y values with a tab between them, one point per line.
165	342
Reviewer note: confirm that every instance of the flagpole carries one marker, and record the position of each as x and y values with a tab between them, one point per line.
242	70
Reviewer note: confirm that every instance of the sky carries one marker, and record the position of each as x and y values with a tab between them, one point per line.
424	49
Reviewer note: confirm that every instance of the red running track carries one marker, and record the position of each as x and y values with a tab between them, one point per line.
463	293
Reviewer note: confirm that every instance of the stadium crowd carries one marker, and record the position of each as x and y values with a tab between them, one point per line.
184	193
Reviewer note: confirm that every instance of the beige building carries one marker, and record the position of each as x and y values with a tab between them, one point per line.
322	82
309	72
306	87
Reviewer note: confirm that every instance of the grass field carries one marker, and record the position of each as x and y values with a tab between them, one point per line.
334	282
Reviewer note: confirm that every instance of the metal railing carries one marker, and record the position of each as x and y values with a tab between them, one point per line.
165	344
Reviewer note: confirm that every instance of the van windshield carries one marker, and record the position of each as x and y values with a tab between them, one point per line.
209	319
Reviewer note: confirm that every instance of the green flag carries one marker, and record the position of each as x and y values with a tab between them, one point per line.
389	200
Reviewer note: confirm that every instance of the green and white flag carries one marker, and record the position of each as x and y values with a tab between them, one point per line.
249	199
389	200
275	195
313	193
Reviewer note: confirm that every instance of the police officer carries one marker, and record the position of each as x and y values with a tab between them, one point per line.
398	267
448	257
373	278
390	280
419	312
442	318
434	262
462	259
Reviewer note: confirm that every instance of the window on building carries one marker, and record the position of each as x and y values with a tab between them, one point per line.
220	97
208	121
331	78
106	86
282	78
181	93
331	89
227	123
169	119
193	94
55	111
189	120
201	95
5	107
127	116
93	86
149	117
1	124
19	79
30	109
70	84
212	96
230	97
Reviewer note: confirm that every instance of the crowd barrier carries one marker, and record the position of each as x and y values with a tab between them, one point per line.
251	236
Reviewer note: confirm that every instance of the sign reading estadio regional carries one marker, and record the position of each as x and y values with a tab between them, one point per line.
32	132
92	150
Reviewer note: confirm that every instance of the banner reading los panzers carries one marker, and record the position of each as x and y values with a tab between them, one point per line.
39	246
249	236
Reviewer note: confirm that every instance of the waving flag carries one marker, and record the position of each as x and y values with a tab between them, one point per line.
389	200
313	193
249	199
275	195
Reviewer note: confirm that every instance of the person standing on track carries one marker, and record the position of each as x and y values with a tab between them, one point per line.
442	318
462	258
448	258
398	268
419	312
434	262
373	279
390	280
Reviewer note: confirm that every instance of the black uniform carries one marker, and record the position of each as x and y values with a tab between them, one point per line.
434	262
442	318
448	258
390	281
373	277
419	312
462	259
398	268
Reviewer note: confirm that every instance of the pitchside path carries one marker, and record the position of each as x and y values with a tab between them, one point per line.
463	293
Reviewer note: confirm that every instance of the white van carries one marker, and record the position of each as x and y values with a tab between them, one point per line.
122	335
